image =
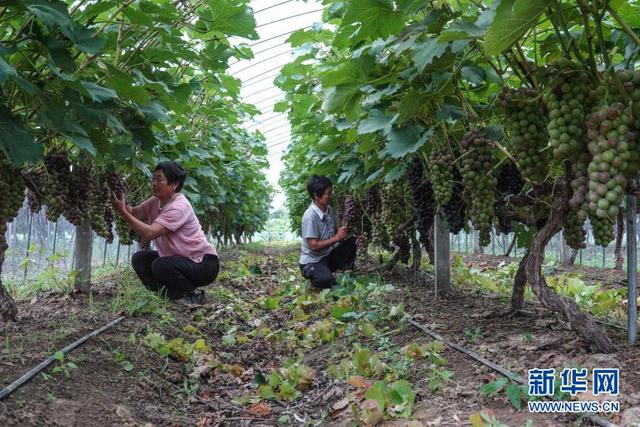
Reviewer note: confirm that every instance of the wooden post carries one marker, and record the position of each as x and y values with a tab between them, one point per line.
26	265
118	254
104	253
441	255
493	244
83	251
632	269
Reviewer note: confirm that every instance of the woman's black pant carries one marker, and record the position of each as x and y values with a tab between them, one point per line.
174	276
340	258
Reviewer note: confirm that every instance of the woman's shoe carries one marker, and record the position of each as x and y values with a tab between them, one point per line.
192	299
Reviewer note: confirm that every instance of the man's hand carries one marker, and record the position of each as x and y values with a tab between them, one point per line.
120	205
342	233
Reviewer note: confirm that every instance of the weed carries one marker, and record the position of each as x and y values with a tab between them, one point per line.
474	335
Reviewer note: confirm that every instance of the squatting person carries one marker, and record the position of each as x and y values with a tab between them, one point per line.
184	259
325	250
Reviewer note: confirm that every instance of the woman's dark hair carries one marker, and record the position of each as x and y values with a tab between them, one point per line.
174	172
317	185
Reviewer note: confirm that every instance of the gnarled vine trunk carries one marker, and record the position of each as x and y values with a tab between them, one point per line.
582	322
519	283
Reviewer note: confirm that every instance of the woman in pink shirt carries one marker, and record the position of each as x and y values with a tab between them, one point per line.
184	259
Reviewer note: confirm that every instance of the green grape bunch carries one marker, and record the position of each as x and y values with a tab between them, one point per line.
441	164
610	142
567	97
56	189
527	124
477	163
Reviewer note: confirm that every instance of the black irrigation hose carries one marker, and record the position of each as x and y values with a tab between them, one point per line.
33	372
597	420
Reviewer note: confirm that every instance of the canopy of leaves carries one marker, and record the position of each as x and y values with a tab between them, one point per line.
130	83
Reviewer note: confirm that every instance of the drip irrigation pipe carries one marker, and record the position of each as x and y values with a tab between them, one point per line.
597	420
33	372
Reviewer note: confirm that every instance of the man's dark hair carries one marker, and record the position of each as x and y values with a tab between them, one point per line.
174	172
317	185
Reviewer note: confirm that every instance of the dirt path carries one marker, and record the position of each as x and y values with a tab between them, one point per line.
280	354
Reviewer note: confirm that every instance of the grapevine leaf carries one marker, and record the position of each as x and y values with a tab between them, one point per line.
512	20
377	393
406	140
376	19
514	392
461	30
425	52
231	18
16	142
494	386
99	93
375	121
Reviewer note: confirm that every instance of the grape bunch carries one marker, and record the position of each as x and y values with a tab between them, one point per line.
631	83
100	208
362	244
527	124
356	221
379	235
423	200
441	171
610	145
77	208
396	211
509	182
34	179
580	183
115	184
610	141
477	162
574	231
35	204
630	80
125	233
567	98
509	179
12	189
57	183
351	212
455	210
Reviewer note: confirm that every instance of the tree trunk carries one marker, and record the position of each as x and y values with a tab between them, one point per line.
519	284
619	234
82	257
583	323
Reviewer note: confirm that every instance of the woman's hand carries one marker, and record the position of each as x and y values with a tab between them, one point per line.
119	205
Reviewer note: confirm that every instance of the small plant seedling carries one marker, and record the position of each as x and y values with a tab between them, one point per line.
474	335
527	337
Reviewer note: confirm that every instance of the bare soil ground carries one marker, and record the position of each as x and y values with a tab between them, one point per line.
100	388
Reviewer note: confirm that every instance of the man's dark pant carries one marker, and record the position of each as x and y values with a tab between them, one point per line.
340	258
174	276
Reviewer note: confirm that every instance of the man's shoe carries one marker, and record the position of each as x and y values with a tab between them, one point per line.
192	299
